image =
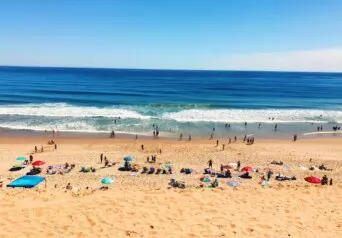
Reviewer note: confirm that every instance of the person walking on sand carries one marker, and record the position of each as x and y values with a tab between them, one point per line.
189	137
142	147
181	136
238	165
217	142
31	159
101	158
42	149
136	136
223	145
235	139
230	140
55	146
244	138
36	149
210	164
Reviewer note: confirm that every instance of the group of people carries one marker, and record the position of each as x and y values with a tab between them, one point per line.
181	137
106	161
336	128
50	142
155	131
325	180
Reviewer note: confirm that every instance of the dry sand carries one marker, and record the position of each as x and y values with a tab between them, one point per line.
144	206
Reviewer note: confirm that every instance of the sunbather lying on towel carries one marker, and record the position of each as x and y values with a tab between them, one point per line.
177	184
34	171
277	163
151	171
226	174
186	171
285	178
322	167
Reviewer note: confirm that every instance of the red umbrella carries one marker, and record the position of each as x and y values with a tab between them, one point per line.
247	169
38	163
313	179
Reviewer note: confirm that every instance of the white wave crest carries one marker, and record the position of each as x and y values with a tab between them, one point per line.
255	116
65	110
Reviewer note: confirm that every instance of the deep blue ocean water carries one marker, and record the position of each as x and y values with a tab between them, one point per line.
131	101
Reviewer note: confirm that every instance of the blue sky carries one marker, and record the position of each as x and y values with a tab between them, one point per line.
177	34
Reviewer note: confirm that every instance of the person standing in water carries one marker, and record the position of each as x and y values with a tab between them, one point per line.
211	136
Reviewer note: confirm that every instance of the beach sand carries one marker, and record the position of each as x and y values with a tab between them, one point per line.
139	205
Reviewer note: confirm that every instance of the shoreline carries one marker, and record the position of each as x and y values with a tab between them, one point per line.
17	133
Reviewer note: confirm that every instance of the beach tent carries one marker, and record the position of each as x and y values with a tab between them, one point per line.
27	182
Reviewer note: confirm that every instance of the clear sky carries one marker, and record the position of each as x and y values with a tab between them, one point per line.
173	34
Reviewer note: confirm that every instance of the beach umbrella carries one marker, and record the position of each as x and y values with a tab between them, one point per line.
167	165
21	158
38	163
129	158
233	184
107	181
205	179
247	169
313	179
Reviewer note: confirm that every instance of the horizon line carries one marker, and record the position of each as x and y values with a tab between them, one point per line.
220	70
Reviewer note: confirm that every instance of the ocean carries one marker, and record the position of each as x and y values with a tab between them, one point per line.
133	101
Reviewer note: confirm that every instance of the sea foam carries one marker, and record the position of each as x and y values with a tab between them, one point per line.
65	110
255	116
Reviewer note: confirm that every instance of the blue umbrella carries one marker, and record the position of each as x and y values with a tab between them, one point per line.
107	181
233	184
21	158
129	158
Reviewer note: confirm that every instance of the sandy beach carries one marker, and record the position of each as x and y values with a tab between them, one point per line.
141	205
